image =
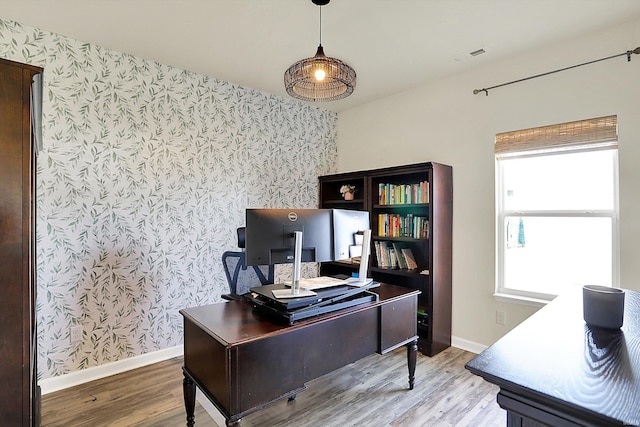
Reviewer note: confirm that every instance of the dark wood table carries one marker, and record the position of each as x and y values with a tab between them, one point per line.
555	370
242	360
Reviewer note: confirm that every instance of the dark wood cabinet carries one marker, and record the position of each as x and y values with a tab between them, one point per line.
19	396
555	370
411	208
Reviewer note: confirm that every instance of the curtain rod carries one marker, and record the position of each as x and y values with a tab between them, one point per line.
627	53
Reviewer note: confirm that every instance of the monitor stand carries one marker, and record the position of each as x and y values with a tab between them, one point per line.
295	291
362	279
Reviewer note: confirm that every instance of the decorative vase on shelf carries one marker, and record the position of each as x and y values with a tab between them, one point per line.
347	191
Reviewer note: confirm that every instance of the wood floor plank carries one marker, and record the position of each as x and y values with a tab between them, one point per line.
373	391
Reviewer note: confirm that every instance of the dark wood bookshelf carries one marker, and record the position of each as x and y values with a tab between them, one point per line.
432	253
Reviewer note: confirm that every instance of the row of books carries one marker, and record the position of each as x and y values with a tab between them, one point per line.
394	255
403	194
396	225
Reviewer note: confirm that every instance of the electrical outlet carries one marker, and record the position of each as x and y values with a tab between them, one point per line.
76	334
501	317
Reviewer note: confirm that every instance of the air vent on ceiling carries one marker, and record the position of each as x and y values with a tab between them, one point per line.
465	56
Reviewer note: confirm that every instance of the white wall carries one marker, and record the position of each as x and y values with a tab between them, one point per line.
445	122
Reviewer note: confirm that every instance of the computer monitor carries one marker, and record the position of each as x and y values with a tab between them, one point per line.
270	235
279	236
348	226
352	237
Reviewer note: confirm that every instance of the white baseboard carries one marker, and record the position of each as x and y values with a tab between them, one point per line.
467	345
49	385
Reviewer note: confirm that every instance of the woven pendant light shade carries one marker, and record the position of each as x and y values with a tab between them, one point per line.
301	79
320	78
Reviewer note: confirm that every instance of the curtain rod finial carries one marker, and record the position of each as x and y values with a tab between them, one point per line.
477	91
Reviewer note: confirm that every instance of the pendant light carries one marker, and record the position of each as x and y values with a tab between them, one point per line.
320	78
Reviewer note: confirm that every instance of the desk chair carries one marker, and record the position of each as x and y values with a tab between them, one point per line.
240	276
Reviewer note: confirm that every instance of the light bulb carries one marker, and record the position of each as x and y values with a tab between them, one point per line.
319	74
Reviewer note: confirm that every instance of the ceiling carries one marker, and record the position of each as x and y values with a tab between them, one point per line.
393	45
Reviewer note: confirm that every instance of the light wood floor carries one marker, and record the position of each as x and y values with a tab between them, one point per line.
371	392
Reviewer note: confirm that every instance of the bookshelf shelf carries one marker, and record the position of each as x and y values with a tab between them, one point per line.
395	197
400	272
400	239
344	202
402	206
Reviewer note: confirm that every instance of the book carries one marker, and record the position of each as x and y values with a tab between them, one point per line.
381	254
393	261
402	262
403	194
384	253
409	259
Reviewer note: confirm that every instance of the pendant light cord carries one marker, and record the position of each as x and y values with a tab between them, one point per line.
320	25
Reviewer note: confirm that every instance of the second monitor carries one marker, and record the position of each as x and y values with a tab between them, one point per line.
351	238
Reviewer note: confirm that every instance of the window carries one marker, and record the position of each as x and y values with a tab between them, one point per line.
557	208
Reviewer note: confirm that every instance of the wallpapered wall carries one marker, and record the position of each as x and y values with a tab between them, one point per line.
144	176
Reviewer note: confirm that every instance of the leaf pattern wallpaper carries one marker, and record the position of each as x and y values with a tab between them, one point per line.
144	176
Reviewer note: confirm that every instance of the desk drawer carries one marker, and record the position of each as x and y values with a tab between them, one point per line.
396	328
264	370
206	359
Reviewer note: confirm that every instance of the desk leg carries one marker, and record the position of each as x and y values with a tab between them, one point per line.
412	353
189	391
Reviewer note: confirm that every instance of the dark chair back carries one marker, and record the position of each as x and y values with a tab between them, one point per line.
241	277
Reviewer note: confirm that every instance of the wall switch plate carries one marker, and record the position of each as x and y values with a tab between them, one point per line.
76	334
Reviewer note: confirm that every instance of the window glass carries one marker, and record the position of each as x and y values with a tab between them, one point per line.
582	181
549	254
557	222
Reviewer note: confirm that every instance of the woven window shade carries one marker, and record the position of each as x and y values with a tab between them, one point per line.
601	132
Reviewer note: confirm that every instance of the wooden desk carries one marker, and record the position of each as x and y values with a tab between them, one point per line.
555	370
242	361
